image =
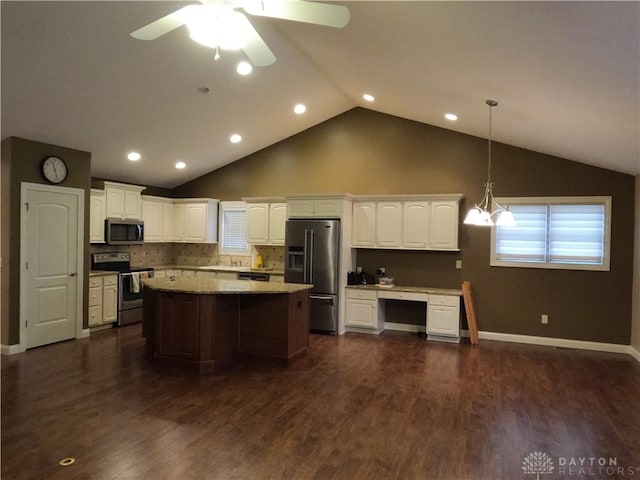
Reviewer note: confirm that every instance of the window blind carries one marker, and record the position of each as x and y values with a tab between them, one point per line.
234	224
555	232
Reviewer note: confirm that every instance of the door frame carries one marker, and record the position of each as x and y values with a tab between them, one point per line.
25	188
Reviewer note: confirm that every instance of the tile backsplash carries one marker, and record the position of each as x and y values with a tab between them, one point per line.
196	254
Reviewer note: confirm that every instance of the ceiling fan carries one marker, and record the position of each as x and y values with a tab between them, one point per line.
220	24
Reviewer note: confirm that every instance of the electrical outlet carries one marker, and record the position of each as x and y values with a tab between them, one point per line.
458	264
381	271
544	319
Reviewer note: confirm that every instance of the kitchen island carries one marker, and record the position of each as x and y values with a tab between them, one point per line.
208	324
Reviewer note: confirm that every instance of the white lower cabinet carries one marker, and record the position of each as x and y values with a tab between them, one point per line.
226	275
363	310
206	275
103	300
443	317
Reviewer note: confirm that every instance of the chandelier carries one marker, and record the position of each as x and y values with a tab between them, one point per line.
481	214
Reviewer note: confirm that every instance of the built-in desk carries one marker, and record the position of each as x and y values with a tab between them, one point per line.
366	309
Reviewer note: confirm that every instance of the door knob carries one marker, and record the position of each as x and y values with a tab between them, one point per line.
72	274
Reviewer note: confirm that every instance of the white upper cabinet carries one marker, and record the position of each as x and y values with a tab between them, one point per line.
443	233
415	228
411	222
318	206
277	221
258	223
96	216
266	220
178	223
364	224
123	201
200	221
157	214
389	224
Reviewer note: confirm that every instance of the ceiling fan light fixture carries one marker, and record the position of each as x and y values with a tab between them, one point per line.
218	26
244	68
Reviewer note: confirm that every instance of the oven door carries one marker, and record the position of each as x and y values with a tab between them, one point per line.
129	296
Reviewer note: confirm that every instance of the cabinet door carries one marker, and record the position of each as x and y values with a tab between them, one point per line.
444	225
415	229
327	208
132	205
258	223
364	224
152	217
96	217
178	223
167	222
362	313
195	222
226	276
300	208
206	275
277	221
114	202
110	304
389	224
443	320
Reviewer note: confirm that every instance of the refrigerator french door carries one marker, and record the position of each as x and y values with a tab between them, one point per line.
312	257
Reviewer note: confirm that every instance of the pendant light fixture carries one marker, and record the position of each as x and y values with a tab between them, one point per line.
481	214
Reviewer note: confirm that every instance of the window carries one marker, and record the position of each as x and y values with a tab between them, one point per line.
554	232
233	226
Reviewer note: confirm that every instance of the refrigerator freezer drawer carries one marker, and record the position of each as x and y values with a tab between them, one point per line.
324	313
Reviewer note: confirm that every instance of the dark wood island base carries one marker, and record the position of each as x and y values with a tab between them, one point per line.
208	332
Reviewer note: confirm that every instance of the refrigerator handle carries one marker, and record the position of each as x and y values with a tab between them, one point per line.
311	238
304	258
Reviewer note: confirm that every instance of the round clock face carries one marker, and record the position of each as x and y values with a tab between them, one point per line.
54	169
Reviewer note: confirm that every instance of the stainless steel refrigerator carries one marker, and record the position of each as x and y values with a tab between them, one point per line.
312	255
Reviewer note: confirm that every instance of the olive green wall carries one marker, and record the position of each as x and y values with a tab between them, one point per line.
21	160
635	328
366	152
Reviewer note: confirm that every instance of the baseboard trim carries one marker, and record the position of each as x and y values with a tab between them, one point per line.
557	342
11	349
404	327
84	333
634	353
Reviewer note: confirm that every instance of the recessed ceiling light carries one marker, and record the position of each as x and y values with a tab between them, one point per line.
235	138
451	116
244	68
300	108
134	156
180	165
368	97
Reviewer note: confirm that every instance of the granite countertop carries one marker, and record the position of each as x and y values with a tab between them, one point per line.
99	273
400	288
218	268
213	286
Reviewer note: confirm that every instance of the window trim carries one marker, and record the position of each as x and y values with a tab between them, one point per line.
582	200
231	205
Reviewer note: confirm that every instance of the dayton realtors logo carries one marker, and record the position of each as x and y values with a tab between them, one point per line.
537	463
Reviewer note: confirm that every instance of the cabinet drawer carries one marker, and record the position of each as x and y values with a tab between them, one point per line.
95	282
410	296
95	296
362	294
110	280
160	273
95	316
188	273
449	300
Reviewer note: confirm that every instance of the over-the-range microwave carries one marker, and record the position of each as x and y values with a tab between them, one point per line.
123	232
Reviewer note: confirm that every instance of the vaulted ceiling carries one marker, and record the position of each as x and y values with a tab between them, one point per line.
566	76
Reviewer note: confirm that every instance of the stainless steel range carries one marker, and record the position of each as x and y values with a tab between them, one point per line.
129	283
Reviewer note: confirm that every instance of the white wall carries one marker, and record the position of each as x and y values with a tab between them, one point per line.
635	322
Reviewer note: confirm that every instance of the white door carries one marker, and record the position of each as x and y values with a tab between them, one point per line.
51	253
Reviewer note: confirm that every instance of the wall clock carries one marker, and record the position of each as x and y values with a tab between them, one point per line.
54	169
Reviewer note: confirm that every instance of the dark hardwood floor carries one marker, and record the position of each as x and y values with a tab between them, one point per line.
355	407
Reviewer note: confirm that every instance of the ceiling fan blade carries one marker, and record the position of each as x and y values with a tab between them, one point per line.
299	11
255	48
165	24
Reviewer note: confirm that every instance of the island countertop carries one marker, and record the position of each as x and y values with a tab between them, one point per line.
214	286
